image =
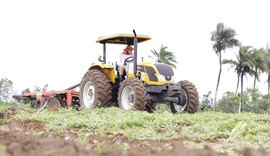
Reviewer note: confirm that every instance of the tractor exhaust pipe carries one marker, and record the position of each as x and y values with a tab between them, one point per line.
135	42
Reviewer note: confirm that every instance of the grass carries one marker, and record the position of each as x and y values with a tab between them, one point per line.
231	132
4	106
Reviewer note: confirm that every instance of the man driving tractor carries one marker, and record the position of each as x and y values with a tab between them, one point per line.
143	86
127	53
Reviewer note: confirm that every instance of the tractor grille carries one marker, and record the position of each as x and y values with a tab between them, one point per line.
151	74
165	70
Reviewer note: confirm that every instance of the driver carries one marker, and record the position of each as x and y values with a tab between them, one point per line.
127	52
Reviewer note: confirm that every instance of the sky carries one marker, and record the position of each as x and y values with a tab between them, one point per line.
54	41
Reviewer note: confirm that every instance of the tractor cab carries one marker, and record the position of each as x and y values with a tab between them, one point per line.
123	39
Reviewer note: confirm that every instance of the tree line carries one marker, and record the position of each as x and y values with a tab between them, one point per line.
249	60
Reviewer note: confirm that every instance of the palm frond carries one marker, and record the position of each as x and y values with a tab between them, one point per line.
164	56
223	37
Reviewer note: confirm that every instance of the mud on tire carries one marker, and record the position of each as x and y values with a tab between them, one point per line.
95	90
132	95
192	97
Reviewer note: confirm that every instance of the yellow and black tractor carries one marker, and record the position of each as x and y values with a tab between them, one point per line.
146	84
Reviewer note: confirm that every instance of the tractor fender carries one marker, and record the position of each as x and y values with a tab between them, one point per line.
108	69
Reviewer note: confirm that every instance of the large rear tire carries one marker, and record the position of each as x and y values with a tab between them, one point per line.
132	95
192	98
95	90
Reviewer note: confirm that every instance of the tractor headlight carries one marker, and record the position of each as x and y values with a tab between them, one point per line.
172	79
143	76
161	78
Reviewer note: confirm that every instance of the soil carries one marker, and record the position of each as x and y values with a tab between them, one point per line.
18	143
5	114
17	139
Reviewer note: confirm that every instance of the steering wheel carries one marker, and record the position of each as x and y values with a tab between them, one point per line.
129	59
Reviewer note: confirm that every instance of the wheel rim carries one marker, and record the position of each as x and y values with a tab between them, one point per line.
88	94
181	108
127	98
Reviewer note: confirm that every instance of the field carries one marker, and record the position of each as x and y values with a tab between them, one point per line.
111	131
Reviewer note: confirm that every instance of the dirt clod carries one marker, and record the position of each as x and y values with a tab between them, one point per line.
27	125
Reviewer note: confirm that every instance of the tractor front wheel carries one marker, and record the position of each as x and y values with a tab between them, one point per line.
95	90
132	95
189	92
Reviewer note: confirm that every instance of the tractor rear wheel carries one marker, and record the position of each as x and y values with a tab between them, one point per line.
132	95
95	90
192	98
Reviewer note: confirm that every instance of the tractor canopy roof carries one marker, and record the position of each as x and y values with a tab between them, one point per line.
122	39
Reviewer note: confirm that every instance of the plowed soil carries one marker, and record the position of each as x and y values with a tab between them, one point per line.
19	144
17	139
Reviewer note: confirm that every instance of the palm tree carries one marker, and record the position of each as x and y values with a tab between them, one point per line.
259	64
243	65
222	38
267	51
164	56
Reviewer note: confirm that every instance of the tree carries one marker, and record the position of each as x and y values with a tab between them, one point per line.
39	89
6	89
207	101
243	66
228	103
222	38
164	56
258	58
267	51
27	90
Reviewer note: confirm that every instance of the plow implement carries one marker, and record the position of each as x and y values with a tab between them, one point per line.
51	99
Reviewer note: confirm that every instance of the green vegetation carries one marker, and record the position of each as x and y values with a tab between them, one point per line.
231	132
2	148
4	106
252	100
164	56
243	66
267	52
6	89
249	61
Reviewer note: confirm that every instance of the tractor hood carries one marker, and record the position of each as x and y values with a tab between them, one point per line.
165	70
156	72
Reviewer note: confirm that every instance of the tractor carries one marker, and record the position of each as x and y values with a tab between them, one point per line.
146	84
